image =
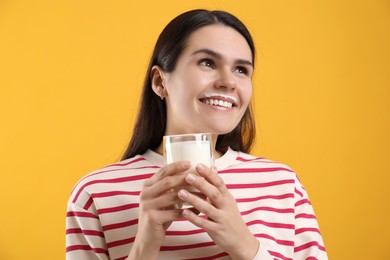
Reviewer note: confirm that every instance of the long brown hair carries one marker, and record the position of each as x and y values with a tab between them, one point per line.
150	125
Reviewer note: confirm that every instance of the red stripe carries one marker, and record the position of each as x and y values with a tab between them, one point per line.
80	214
84	231
270	224
288	210
278	241
88	204
276	197
298	192
118	208
74	231
276	254
308	245
256	170
121	242
258	185
120	225
212	257
249	160
86	247
307	216
302	230
114	193
301	202
116	180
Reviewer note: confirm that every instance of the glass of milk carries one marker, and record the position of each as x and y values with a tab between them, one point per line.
195	148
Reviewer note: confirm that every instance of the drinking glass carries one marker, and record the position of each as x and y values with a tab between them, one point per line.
195	148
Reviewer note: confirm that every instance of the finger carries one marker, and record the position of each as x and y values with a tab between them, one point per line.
207	188
211	176
201	205
198	221
168	199
168	170
167	184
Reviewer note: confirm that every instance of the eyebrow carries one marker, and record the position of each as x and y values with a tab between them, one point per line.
219	56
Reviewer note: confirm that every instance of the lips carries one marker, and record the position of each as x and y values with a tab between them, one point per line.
219	100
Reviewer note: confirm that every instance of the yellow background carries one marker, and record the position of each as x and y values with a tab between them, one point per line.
70	77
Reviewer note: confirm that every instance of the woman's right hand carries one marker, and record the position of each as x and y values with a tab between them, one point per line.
158	208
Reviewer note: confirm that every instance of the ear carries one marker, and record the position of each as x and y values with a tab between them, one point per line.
157	80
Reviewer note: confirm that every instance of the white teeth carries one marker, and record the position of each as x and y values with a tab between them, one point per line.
216	102
227	97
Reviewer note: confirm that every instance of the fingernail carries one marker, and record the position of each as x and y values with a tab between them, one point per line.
183	194
186	164
200	167
190	178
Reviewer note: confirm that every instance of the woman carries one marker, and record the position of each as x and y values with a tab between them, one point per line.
199	80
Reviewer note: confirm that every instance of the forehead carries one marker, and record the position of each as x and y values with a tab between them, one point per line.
221	39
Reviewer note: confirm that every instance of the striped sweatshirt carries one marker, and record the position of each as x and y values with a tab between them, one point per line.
102	213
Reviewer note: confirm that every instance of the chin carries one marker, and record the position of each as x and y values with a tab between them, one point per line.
222	130
221	125
216	126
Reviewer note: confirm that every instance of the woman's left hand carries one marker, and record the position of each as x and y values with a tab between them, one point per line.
224	223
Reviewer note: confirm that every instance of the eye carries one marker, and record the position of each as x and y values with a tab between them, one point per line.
243	70
207	63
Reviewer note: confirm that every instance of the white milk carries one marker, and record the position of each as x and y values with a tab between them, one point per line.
193	151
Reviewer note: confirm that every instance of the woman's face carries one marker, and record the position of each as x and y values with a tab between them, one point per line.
211	86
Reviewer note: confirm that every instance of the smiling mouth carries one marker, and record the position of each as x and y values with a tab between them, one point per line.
217	102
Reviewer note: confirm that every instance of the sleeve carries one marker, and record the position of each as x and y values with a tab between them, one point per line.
308	242
84	235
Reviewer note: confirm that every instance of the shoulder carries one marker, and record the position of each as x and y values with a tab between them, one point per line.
250	168
278	171
265	172
246	160
114	176
251	177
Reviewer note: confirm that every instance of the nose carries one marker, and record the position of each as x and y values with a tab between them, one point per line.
225	80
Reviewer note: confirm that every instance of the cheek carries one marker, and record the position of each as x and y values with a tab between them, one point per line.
246	94
189	86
